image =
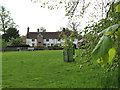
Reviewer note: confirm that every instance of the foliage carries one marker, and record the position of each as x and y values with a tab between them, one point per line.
42	29
67	38
39	48
69	6
5	20
112	33
73	26
92	33
104	50
15	42
11	32
22	36
57	47
54	47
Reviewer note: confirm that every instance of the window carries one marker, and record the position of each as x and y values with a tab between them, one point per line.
33	39
47	39
39	42
51	44
33	44
44	44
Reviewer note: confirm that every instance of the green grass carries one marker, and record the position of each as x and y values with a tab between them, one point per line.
47	69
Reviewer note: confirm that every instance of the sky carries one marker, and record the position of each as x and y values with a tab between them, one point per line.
28	14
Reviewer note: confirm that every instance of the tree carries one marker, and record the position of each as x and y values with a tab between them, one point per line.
15	42
11	32
22	36
74	26
77	8
42	29
5	20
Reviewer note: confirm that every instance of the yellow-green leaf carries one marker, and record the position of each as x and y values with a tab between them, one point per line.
103	60
108	33
118	8
111	53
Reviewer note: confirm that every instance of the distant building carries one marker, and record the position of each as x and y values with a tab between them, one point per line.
43	38
24	39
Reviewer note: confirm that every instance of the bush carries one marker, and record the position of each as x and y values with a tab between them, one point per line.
16	43
22	45
57	47
39	48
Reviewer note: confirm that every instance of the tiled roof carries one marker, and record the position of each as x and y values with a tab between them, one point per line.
46	35
49	35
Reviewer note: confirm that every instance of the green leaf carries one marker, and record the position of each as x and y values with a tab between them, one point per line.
111	53
111	28
102	47
107	57
118	8
60	2
103	60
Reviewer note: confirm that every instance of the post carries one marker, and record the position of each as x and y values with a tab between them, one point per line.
118	10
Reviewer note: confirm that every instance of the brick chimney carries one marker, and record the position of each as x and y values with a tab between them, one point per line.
38	30
28	29
63	29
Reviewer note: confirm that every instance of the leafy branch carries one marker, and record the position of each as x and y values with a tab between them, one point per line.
104	51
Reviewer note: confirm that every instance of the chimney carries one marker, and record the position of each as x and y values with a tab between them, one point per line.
63	29
28	29
38	30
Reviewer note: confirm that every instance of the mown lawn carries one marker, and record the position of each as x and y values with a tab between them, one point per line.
46	69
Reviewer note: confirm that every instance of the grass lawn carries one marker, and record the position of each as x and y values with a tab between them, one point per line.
46	69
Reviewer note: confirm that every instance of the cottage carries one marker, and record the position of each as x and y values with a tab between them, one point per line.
43	38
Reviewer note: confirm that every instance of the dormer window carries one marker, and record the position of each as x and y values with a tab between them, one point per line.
47	39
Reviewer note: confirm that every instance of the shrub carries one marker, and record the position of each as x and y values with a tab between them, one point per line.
57	47
16	43
39	48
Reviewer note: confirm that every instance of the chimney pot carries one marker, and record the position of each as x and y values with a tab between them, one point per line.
28	29
38	30
63	29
